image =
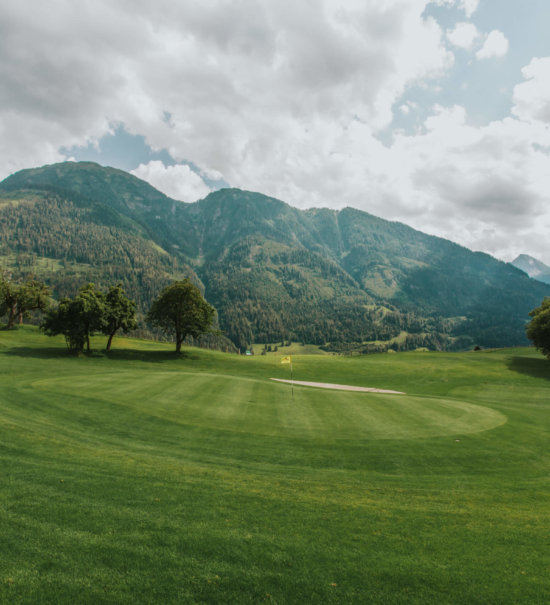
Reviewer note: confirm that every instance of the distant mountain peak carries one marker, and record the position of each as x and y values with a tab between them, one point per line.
533	267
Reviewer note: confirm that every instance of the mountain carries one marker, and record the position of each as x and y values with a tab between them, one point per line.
533	267
343	279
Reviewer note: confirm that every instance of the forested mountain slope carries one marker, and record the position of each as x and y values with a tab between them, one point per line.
273	272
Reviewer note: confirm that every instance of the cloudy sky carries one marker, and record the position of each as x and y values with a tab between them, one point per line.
434	113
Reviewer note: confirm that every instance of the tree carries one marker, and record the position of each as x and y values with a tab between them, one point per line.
18	299
120	313
538	329
77	318
33	296
66	319
92	310
8	300
180	309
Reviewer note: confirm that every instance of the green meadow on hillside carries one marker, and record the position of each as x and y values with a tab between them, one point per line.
140	477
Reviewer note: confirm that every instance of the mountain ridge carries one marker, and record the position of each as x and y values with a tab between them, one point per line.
274	272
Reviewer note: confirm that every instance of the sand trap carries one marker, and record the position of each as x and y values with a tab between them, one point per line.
337	387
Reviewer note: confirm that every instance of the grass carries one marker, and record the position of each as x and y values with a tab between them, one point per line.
294	348
39	265
139	477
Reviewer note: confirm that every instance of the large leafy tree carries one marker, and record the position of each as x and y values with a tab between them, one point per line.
181	310
18	299
66	319
92	305
120	313
8	300
33	296
77	318
538	329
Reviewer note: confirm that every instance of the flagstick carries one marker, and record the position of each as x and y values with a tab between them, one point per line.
291	381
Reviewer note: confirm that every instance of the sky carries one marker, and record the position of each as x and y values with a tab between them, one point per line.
432	113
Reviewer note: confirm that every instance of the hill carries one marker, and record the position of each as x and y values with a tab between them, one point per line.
342	279
533	267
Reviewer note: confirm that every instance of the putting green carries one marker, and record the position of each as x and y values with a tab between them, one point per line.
259	407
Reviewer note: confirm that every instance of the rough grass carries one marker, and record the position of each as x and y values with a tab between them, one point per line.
139	477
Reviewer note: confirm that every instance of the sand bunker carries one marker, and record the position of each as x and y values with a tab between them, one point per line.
338	387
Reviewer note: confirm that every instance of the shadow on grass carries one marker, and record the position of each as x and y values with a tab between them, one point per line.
115	355
537	368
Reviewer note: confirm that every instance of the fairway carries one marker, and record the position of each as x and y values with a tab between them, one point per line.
141	477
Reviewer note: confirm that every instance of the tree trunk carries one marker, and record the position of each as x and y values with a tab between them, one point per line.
11	319
88	343
20	318
108	347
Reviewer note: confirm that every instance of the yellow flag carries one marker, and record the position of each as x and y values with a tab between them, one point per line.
286	359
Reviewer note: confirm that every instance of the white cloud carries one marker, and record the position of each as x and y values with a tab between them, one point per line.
73	69
178	182
495	46
532	98
286	98
486	187
468	6
463	35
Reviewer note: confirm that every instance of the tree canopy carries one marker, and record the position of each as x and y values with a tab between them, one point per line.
538	329
181	310
17	299
120	313
88	312
77	318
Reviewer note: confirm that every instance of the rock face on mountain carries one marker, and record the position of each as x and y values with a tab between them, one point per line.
533	267
344	279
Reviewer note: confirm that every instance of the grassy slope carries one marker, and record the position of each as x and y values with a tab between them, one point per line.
140	478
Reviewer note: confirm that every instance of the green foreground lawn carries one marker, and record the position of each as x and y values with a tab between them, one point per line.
139	477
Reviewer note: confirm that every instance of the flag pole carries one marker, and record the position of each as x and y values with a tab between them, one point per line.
291	380
288	359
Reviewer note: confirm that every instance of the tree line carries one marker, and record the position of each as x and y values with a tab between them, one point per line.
179	311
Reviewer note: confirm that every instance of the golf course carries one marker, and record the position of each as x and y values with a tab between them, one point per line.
141	476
